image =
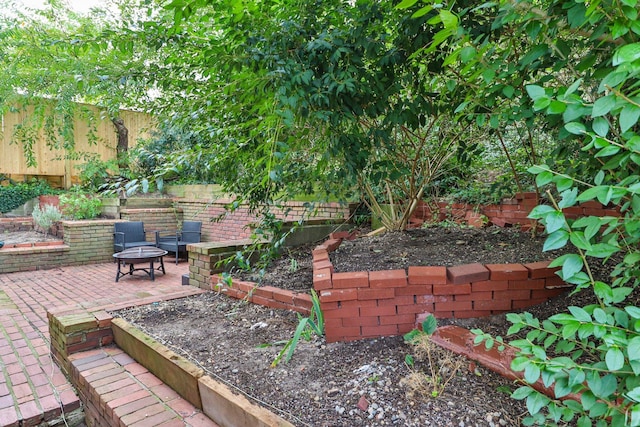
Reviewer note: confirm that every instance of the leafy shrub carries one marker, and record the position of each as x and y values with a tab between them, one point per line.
45	217
77	205
95	173
15	195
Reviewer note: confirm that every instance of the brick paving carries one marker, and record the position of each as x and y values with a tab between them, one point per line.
32	387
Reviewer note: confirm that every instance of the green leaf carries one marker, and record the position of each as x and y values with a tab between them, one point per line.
556	107
544	178
634	394
633	311
556	240
449	20
580	314
600	126
614	359
603	105
608	151
579	240
612	80
540	211
574	86
536	401
572	264
522	393
627	53
531	373
633	348
569	195
405	4
599	315
541	103
629	117
593	192
535	92
576	377
536	169
429	325
554	221
602	250
575	128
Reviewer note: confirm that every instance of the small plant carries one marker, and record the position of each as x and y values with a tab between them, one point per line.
46	217
307	326
442	365
293	266
77	205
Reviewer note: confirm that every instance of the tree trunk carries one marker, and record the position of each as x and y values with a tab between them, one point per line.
123	138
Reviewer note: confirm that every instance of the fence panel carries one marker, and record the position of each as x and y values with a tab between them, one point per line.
51	162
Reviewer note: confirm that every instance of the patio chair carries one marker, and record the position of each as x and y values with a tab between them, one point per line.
129	235
177	242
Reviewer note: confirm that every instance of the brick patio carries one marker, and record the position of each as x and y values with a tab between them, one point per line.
32	387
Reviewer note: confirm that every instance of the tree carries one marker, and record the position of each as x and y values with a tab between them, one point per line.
54	59
577	64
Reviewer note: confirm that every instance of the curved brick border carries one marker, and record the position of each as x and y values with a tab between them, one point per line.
358	305
460	341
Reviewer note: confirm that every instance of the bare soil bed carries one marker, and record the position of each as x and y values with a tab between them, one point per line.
357	383
13	237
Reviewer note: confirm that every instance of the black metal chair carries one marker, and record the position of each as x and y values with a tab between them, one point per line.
129	235
177	242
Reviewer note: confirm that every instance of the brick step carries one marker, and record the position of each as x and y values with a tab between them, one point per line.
118	391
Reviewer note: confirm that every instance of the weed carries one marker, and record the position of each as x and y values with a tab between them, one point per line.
307	326
293	266
441	365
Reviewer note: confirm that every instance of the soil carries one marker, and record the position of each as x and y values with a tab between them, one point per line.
363	383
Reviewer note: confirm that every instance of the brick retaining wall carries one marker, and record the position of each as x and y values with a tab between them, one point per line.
16	224
76	331
358	305
85	242
220	225
509	212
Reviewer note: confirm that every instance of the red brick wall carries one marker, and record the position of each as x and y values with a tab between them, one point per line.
363	304
219	225
16	224
509	212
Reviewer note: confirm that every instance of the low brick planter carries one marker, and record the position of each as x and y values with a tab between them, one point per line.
75	331
370	304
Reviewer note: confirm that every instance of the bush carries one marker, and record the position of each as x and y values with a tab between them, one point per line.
17	194
46	217
77	205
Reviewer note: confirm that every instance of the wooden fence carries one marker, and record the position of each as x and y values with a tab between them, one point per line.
52	164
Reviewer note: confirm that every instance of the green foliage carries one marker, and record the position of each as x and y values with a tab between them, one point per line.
307	327
429	326
55	59
95	173
46	216
75	204
175	154
575	66
14	195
